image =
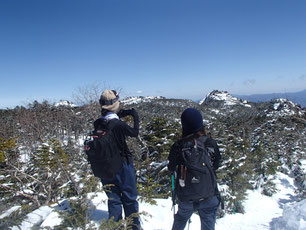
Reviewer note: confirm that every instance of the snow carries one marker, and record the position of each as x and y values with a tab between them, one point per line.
217	111
284	107
303	163
34	217
9	211
65	103
227	98
136	100
279	212
294	217
51	221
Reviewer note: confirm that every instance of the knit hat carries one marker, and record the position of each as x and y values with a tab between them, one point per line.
192	121
109	100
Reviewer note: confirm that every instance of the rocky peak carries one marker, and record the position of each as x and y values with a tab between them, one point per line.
219	98
65	103
284	107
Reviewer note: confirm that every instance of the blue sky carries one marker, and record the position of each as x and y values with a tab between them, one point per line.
172	48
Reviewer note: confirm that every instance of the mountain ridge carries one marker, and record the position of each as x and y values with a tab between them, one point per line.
296	97
256	140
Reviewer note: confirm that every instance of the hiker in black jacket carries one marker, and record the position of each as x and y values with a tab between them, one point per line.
190	200
122	191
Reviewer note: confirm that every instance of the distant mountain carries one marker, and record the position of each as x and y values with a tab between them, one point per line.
219	98
64	103
139	99
258	141
297	97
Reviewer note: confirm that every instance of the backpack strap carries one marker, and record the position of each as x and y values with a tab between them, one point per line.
201	170
111	124
203	139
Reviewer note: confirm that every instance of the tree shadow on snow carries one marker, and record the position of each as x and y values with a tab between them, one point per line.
290	199
286	183
97	215
278	222
64	205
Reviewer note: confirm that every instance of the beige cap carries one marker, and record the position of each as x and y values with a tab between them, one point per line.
109	100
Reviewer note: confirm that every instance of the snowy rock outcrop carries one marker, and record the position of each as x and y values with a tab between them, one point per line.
223	98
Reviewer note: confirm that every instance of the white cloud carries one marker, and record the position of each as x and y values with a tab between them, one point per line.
249	82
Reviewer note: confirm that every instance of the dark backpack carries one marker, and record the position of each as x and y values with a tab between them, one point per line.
103	152
196	179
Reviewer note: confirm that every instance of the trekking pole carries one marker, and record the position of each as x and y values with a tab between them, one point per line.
173	192
235	207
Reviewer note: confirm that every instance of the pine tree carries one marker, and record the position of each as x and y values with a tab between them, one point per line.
10	165
7	151
235	173
148	190
40	179
265	164
80	208
160	134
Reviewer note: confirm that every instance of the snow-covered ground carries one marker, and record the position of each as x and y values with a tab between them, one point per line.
279	212
262	212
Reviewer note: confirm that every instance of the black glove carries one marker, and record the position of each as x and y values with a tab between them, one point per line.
132	112
127	112
123	113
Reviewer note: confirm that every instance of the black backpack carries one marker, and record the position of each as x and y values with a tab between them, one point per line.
196	178
103	152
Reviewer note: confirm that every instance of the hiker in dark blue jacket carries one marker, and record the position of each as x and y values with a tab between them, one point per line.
122	191
190	200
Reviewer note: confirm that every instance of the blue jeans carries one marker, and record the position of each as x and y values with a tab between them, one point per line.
207	210
123	192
